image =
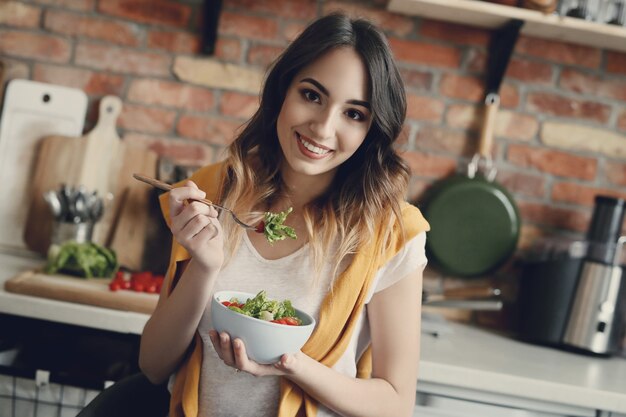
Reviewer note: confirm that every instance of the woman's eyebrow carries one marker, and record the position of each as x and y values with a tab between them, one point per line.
325	91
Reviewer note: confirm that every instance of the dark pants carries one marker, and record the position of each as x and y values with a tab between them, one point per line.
133	396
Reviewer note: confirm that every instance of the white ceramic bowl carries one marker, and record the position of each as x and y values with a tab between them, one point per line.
265	341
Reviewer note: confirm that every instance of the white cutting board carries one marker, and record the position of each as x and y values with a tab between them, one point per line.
31	110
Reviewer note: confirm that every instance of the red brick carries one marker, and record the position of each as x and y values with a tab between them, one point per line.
158	12
477	61
419	80
616	62
92	83
121	60
429	165
228	49
568	219
289	9
458	34
177	42
36	46
82	5
530	72
621	121
589	84
462	86
212	130
251	27
404	137
522	183
425	53
442	139
241	106
417	188
14	68
508	124
147	119
391	22
263	55
13	13
180	151
92	27
170	94
291	30
568	192
553	104
555	51
424	108
615	172
553	162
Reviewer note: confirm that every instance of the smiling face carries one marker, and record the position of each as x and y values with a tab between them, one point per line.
325	116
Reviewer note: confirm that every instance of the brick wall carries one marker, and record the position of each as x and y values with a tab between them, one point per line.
560	134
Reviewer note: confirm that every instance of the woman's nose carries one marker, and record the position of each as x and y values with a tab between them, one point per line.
323	125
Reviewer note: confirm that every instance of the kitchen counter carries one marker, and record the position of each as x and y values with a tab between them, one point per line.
465	359
60	311
482	361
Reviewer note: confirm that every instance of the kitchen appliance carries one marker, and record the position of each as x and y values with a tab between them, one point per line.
595	322
572	295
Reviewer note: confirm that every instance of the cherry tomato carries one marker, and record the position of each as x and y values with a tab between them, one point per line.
151	288
292	321
226	303
114	286
137	286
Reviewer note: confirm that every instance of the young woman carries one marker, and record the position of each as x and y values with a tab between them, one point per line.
321	142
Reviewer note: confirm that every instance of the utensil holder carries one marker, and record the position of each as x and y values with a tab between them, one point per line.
65	231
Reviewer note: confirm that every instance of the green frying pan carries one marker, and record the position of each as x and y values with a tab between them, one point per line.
474	221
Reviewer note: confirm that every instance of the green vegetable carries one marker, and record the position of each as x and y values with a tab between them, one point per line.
87	260
273	227
260	307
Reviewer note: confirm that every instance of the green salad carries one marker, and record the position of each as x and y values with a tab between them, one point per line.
260	307
87	260
273	227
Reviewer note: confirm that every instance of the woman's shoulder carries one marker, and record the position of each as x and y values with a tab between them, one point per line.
413	221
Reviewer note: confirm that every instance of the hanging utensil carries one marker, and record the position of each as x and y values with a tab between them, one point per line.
474	220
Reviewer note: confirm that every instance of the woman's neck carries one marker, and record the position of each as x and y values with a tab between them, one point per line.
302	189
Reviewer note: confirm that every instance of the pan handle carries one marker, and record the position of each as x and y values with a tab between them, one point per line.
492	104
489	168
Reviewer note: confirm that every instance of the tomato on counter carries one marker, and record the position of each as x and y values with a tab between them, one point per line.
143	281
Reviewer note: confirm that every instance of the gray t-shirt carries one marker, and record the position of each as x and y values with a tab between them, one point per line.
225	393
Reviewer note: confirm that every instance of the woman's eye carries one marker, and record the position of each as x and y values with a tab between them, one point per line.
311	95
355	115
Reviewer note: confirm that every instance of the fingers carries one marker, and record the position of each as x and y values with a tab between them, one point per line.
223	346
233	353
179	195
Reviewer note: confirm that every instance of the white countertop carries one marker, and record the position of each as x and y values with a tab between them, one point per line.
12	265
482	360
466	358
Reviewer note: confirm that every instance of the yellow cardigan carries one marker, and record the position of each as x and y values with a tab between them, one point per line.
338	313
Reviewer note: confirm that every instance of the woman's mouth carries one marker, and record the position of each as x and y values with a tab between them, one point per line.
310	149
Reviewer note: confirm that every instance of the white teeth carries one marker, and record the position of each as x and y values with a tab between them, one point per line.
312	147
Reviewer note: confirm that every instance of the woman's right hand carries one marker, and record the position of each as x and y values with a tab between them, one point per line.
195	226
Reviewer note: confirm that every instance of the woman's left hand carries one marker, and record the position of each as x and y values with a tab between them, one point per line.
233	353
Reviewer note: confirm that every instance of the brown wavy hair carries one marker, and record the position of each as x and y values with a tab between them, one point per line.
368	187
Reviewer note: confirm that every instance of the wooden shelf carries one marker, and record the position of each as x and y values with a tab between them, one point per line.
537	24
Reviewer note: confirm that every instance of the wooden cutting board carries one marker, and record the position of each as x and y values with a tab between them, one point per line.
94	292
30	111
101	162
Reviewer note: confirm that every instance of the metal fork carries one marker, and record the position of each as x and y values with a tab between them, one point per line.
167	187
